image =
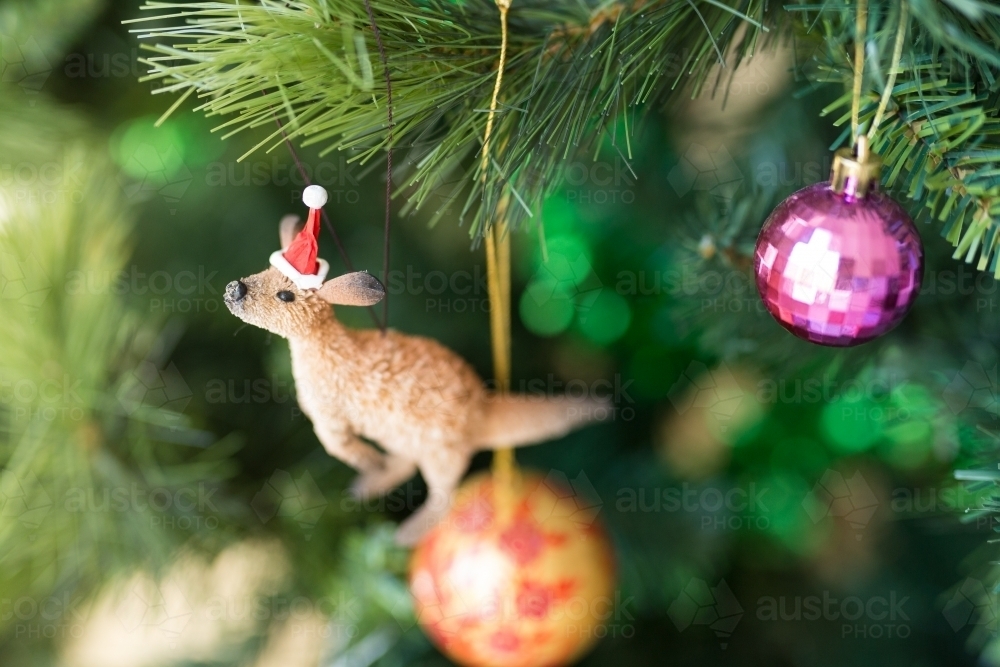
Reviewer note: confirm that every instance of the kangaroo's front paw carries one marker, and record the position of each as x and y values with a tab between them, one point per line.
393	472
365	458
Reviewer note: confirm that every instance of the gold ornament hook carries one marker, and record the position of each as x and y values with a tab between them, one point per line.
855	172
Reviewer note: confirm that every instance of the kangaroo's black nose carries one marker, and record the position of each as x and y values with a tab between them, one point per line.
236	290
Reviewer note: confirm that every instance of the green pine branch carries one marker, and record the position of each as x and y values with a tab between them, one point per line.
74	433
577	75
576	72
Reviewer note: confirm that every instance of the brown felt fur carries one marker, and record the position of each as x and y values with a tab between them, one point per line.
422	403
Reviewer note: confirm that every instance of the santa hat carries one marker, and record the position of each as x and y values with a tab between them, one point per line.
299	261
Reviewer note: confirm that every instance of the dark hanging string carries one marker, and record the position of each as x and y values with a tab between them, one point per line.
333	232
384	323
326	219
388	158
307	182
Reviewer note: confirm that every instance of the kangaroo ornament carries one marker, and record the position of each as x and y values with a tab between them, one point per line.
420	402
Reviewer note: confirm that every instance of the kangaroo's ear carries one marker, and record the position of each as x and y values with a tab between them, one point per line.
289	226
353	289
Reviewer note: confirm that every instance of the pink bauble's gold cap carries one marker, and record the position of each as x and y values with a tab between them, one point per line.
855	172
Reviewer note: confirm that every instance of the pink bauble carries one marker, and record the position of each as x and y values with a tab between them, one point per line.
529	584
836	269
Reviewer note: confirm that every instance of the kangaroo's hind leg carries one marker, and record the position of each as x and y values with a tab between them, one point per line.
442	473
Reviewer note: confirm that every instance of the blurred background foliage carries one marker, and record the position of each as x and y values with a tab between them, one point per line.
162	500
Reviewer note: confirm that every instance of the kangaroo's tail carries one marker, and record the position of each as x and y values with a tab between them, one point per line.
514	420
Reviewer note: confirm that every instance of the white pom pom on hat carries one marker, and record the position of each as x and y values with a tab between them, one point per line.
314	196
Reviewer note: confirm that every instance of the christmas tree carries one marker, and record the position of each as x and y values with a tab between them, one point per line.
598	172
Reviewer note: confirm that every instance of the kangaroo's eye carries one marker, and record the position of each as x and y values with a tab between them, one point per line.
287	297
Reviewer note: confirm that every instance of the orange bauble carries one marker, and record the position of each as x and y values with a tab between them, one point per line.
528	585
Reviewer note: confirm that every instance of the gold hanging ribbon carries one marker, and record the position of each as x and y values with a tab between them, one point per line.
498	280
897	57
503	6
860	34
